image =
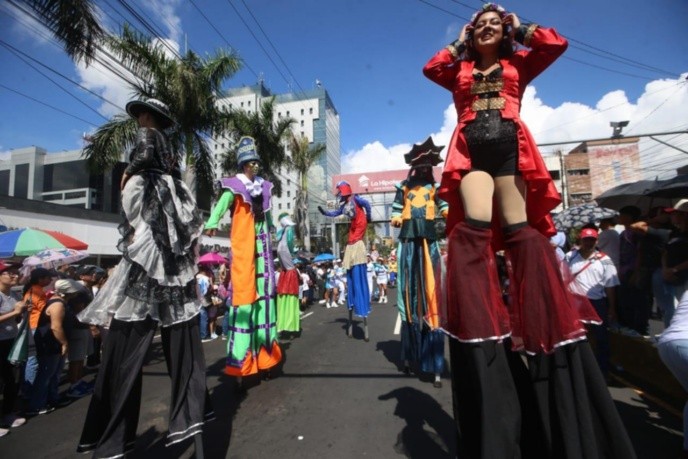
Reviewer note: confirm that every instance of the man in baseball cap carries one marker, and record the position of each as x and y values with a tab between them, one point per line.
594	275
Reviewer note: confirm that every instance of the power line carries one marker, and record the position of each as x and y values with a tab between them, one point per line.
46	105
221	35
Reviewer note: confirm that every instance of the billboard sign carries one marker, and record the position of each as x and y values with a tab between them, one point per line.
377	182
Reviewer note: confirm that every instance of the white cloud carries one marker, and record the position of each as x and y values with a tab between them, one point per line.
663	107
26	27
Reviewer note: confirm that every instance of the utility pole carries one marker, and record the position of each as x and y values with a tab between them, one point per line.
564	180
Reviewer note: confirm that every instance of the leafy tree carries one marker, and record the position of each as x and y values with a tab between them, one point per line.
75	23
188	84
270	135
303	156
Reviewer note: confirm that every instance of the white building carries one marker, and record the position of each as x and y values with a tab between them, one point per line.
315	118
61	178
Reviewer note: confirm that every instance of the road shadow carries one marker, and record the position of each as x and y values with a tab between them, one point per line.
658	435
392	352
357	329
419	409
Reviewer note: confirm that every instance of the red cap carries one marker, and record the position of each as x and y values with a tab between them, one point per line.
588	232
4	266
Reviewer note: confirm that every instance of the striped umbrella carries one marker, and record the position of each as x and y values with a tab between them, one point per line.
28	241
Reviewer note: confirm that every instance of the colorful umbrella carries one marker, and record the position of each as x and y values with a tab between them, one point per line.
212	258
52	258
28	241
323	257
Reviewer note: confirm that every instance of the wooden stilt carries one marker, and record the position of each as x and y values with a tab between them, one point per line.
198	445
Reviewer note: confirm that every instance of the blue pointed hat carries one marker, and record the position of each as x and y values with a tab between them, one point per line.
246	151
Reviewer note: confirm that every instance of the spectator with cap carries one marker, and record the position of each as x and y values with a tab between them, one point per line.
11	311
594	275
51	348
675	255
675	262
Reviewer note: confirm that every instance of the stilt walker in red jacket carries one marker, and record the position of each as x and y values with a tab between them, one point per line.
558	405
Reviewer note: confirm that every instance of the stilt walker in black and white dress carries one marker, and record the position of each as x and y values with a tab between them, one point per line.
153	284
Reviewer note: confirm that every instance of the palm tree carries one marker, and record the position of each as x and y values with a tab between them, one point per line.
270	135
75	23
303	156
188	85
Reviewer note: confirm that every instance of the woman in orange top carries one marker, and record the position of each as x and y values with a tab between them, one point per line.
33	294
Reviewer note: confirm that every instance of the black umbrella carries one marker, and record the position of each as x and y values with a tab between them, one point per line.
578	216
676	188
632	194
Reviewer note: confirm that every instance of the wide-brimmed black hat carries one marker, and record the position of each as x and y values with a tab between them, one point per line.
426	152
136	107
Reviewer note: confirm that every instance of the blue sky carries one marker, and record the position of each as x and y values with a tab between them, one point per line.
369	54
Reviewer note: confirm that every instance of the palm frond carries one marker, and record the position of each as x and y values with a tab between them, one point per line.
109	142
75	23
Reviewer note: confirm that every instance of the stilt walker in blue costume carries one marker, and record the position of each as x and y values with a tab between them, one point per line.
358	210
415	208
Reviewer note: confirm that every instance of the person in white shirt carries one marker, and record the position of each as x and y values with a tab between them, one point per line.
673	350
608	240
370	273
594	275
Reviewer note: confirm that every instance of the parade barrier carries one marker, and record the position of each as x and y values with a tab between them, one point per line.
637	361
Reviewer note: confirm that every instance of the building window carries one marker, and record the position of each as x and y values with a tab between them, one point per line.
249	103
301	123
216	146
555	175
302	112
279	206
579	172
288	182
21	181
242	104
223	146
279	114
287	112
288	194
288	205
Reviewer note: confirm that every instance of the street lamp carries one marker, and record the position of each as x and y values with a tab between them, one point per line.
617	126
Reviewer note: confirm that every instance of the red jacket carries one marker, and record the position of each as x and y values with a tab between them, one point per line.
518	70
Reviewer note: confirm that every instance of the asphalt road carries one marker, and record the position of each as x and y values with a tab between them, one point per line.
333	397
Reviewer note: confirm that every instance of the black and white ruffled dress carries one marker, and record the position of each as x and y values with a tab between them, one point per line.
159	244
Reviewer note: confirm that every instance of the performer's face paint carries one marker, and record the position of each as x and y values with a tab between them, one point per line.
252	168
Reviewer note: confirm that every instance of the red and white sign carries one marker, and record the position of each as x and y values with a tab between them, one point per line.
376	182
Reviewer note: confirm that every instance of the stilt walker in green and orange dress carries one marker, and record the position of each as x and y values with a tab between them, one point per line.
252	339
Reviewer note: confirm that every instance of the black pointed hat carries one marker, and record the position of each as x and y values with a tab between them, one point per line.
424	152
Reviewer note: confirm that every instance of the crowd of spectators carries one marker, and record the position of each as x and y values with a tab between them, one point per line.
60	347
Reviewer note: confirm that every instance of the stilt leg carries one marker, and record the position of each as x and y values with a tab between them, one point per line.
366	338
198	446
350	328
